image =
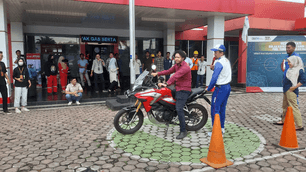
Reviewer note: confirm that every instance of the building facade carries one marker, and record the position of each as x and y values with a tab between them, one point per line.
68	28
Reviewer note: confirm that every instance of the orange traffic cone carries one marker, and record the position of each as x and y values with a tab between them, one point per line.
288	138
216	155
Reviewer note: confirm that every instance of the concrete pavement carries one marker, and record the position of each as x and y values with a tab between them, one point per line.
77	137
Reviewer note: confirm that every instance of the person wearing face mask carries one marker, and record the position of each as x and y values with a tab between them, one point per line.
22	80
51	73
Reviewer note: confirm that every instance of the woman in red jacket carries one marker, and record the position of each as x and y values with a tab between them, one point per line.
63	71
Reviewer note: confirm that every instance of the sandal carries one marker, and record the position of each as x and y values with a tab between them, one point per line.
278	123
300	129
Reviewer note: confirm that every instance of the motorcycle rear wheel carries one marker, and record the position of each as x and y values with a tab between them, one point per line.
122	121
199	117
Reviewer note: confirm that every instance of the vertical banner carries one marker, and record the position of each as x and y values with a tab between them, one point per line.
265	56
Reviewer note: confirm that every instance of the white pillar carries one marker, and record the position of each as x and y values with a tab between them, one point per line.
169	38
3	33
17	39
170	41
4	37
132	40
165	43
215	35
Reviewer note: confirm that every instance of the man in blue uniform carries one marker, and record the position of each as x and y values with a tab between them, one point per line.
221	78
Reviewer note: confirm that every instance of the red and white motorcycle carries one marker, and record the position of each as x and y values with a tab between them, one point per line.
159	104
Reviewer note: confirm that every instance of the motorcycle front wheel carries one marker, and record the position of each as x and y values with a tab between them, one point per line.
197	117
126	123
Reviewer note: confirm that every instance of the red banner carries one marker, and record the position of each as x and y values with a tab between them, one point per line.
33	56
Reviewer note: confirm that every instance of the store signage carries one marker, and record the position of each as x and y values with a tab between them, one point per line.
99	39
33	55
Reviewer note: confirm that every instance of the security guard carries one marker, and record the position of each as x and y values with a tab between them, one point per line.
194	69
221	78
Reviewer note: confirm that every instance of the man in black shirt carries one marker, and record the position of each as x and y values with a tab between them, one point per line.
3	88
147	62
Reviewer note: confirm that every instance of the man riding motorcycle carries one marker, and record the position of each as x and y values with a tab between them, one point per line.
182	80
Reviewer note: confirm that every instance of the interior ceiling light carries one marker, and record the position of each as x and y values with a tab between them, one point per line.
161	19
62	13
196	29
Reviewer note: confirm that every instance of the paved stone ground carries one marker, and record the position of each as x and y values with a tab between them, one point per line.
72	138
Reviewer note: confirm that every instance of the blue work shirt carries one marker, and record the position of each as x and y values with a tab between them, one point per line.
32	73
167	64
214	78
119	62
83	64
287	83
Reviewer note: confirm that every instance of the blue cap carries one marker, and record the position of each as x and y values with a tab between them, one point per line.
218	47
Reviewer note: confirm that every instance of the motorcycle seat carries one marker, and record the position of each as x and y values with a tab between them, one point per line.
194	92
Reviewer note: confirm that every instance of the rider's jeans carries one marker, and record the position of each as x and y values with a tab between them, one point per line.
181	98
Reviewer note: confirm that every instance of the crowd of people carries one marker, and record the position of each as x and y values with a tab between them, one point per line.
184	72
197	64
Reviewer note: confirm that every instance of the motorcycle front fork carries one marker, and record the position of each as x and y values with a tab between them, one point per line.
138	107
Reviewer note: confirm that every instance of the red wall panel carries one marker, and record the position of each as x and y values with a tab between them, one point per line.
196	35
279	9
300	23
226	6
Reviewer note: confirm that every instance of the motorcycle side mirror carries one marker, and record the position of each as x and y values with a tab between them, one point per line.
153	67
162	79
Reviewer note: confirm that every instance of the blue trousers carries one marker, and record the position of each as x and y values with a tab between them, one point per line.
70	97
219	101
200	80
181	98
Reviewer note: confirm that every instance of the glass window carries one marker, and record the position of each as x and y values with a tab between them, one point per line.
141	45
181	45
56	40
195	46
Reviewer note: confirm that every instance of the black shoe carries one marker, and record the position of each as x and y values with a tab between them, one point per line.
278	123
7	112
182	135
300	129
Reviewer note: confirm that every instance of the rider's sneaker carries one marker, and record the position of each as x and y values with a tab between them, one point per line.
182	135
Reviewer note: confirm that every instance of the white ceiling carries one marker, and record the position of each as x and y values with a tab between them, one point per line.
100	15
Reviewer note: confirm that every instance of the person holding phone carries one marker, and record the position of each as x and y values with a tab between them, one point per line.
97	72
22	81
